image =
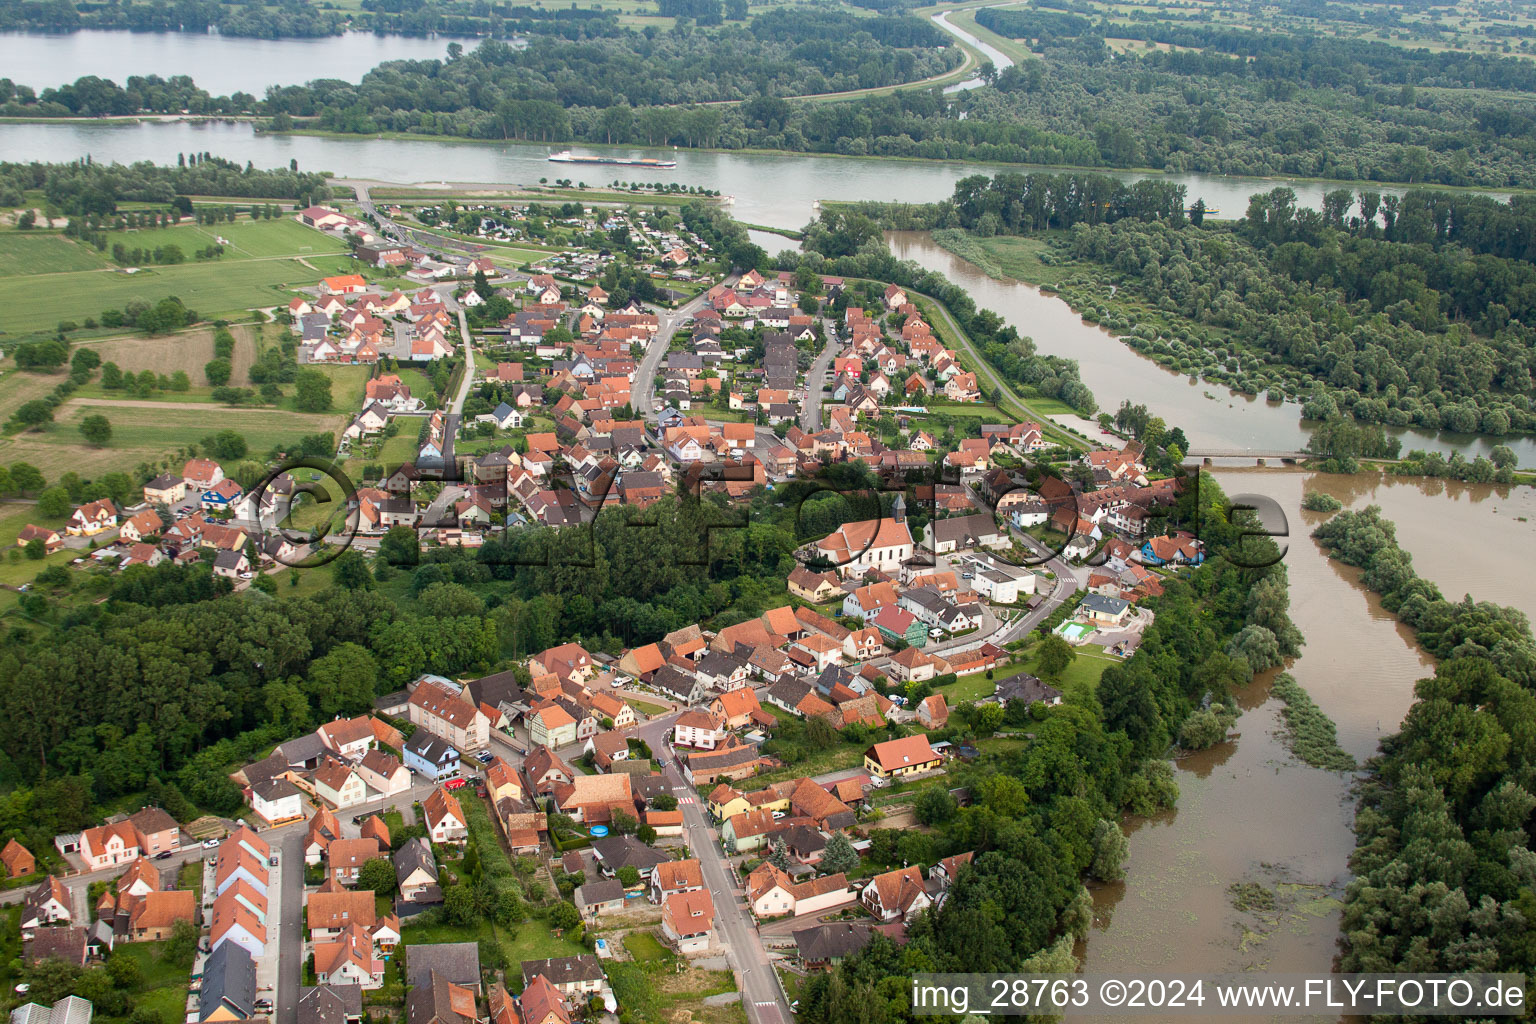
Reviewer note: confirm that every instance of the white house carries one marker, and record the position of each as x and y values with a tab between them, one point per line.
701	730
339	785
277	800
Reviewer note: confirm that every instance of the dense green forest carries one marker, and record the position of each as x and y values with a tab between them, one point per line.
1045	816
1268	102
84	187
1409	310
1445	874
1247	103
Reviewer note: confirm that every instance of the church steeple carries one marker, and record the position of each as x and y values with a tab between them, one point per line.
899	510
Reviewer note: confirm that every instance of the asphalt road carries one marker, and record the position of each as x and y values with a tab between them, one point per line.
816	380
755	978
656	351
290	927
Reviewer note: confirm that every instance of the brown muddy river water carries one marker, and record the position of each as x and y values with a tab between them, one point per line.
1251	813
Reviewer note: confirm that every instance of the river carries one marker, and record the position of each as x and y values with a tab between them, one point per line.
775	190
223	65
1212	416
1249	812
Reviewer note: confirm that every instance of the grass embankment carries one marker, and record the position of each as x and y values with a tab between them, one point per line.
1013	404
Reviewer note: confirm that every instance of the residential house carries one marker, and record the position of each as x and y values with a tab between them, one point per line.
732	759
349	959
699	729
933	712
331	1004
577	978
895	894
773	893
383	772
947	870
825	946
436	1000
233	921
440	708
227	989
338	784
201	474
416	877
431	757
595	899
617	852
221	496
592	799
50	538
144	833
344	858
92	518
329	913
543	771
165	489
737	708
542	1003
676	876
277	800
899	624
909	755
912	665
47	903
1177	550
815	587
445	818
883	544
688	921
551	725
140	525
681	687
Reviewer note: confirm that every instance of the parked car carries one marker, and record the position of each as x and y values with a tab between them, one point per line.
263	1003
272	861
210	844
163	854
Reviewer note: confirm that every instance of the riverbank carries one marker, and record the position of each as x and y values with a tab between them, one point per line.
1150	172
1119	313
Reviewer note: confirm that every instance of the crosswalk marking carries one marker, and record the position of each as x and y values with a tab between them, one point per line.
760	1002
686	800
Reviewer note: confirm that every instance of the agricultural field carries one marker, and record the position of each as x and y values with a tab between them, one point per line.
220	288
148	431
185	350
19	386
24	252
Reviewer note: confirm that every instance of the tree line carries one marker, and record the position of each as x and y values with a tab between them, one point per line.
1445	878
1409	310
84	188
